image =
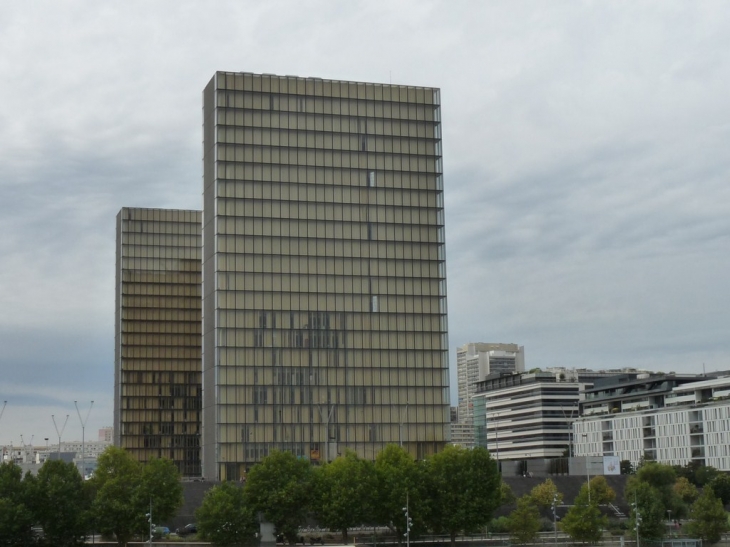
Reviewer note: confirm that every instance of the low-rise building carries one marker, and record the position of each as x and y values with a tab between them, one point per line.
669	418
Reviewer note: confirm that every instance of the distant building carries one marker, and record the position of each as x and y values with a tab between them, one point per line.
106	434
462	434
530	415
672	419
476	361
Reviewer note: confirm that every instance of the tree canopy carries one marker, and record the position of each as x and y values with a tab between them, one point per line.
126	491
708	517
465	489
280	487
344	493
225	517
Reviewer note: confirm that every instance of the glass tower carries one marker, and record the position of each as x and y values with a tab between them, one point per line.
324	302
157	372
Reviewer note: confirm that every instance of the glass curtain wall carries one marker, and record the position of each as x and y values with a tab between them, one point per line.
325	283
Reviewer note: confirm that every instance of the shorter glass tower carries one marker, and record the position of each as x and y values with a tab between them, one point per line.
157	336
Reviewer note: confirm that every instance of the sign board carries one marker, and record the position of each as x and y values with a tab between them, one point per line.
611	465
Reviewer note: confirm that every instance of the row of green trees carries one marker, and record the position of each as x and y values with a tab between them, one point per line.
657	496
58	508
453	492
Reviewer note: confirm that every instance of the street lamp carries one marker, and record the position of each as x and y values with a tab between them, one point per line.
637	518
53	417
83	445
555	517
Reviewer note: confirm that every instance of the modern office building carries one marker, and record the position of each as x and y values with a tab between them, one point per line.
476	361
523	416
157	336
672	419
324	305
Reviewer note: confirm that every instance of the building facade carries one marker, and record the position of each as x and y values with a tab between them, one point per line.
670	419
523	416
157	337
476	361
324	307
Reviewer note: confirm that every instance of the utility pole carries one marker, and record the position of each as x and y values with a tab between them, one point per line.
149	519
83	440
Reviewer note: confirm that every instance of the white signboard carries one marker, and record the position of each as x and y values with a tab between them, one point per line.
611	465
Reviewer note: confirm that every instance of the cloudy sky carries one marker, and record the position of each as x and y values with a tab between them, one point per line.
586	155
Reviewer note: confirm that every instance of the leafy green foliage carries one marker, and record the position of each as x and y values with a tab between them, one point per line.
280	487
344	493
61	504
397	474
506	496
650	507
709	520
600	492
225	517
524	522
626	467
464	488
16	517
720	485
583	522
161	483
544	493
685	490
124	493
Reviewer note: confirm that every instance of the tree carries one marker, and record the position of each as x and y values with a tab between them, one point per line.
524	522
344	493
280	487
662	478
464	487
62	504
161	484
627	468
397	477
651	510
720	485
584	522
125	490
16	517
506	496
225	517
685	490
708	517
544	493
601	492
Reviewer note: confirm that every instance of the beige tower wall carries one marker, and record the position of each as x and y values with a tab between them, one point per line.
324	266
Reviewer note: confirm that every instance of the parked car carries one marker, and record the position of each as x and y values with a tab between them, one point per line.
160	532
187	529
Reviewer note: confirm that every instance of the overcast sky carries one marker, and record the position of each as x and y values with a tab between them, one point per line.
586	155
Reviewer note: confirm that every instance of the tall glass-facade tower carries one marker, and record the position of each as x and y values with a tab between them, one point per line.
157	340
324	300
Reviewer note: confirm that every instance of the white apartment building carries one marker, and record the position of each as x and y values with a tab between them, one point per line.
476	361
688	422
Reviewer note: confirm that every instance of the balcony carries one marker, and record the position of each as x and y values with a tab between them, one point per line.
698	452
696	429
649	432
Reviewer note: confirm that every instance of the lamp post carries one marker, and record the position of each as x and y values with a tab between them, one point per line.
409	522
637	518
83	439
53	417
555	517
